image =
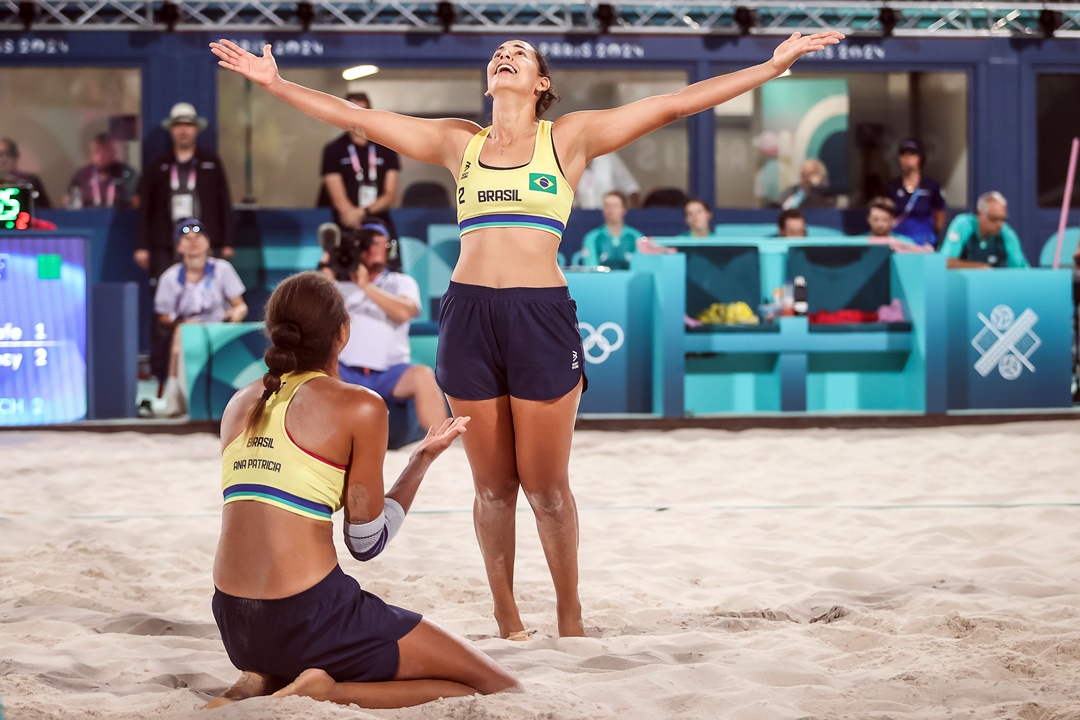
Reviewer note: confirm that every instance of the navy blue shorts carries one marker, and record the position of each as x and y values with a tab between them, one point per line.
333	625
522	342
380	381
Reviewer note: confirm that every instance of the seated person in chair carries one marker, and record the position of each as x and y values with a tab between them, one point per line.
198	289
698	216
381	303
613	243
984	240
791	223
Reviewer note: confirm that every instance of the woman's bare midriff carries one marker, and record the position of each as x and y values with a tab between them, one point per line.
509	257
267	553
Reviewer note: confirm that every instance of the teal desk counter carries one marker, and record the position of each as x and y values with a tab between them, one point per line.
1009	340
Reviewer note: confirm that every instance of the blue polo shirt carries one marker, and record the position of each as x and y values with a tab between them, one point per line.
600	248
963	241
915	210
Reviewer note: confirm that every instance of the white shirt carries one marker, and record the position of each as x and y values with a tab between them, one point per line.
375	341
604	174
204	301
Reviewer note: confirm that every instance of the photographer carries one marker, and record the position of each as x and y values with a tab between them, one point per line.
380	303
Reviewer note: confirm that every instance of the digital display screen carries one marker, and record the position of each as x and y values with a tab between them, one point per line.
42	330
16	207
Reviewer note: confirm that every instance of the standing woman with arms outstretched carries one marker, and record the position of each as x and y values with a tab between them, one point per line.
509	352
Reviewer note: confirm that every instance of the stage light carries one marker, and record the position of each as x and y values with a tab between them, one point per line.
305	13
447	14
169	14
27	13
746	19
359	71
887	18
1049	22
606	17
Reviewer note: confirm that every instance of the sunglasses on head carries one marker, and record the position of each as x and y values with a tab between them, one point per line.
190	229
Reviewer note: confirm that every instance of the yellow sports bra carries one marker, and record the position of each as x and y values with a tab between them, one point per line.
272	469
535	195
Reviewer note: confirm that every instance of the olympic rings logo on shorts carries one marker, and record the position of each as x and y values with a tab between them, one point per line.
608	337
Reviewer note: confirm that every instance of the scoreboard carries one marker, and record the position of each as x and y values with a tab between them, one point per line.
43	312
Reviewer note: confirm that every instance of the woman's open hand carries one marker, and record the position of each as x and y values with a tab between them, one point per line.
438	439
797	45
262	70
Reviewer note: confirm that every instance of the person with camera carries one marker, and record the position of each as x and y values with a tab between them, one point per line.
381	303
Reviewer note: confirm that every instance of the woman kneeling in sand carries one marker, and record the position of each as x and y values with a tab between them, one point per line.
296	447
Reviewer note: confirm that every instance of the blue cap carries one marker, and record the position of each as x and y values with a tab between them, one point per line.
187	225
377	228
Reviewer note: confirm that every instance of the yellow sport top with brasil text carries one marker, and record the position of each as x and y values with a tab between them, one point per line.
270	468
535	195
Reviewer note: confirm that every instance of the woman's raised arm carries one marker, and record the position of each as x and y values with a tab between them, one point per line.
439	142
598	132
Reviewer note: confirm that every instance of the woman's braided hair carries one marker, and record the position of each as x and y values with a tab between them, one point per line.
304	316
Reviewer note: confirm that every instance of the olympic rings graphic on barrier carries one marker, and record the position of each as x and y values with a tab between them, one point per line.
597	337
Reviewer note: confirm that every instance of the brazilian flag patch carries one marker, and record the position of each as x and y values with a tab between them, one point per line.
543	183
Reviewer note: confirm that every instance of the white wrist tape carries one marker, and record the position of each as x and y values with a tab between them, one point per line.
367	540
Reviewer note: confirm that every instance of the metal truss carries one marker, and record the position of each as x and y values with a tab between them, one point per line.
757	17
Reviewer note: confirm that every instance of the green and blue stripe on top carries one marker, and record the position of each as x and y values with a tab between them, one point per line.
512	220
275	496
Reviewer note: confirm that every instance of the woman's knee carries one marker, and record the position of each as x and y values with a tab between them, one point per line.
497	490
550	498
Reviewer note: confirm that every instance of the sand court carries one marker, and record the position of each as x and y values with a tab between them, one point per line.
903	573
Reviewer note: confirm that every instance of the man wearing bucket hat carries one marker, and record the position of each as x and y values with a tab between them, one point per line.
187	181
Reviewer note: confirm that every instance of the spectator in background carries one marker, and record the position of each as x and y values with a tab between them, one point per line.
613	243
984	240
698	216
198	289
918	198
606	173
790	223
812	190
104	182
9	173
381	304
185	182
359	178
881	217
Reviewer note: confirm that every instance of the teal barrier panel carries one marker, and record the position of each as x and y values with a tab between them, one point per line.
219	359
664	313
1009	339
612	309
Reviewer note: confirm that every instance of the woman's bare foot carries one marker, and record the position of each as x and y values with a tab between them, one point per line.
312	683
250	684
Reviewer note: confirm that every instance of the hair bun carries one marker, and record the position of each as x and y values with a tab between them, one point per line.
285	335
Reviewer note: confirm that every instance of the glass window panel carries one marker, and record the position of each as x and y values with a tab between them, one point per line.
754	167
660	159
1056	129
285	149
53	114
